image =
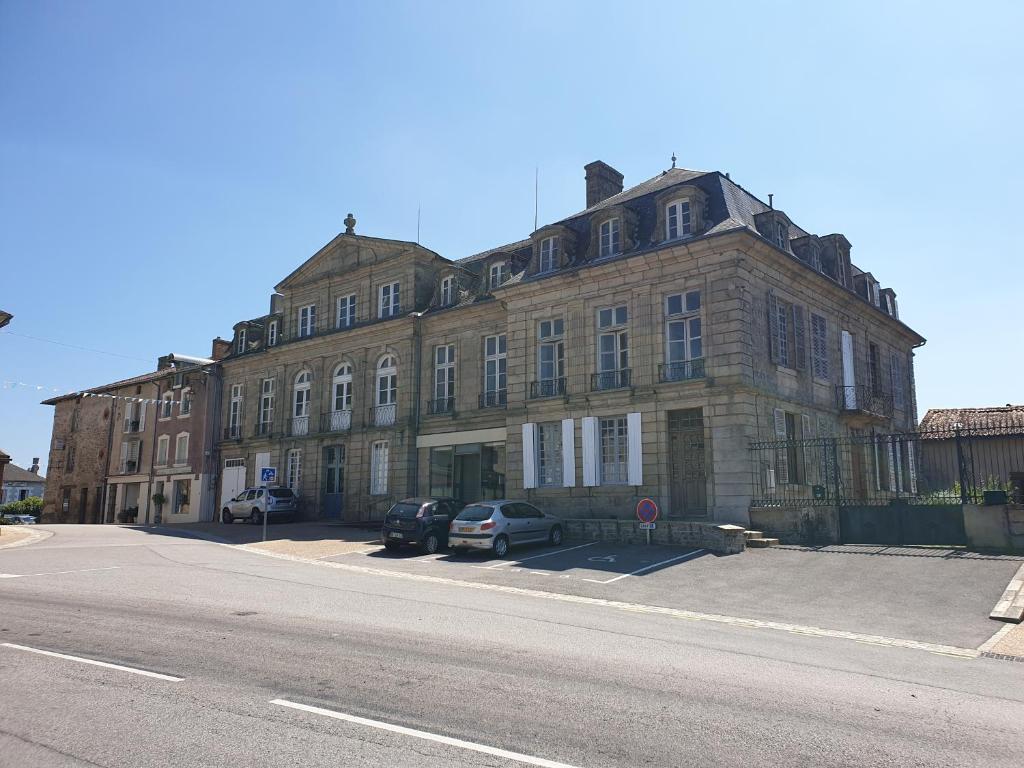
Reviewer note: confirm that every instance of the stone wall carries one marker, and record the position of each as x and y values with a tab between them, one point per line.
720	539
797	524
999	527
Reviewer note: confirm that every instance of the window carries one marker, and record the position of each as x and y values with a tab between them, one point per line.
499	273
612	348
346	311
548	254
874	369
549	455
389	304
134	416
495	370
235	411
448	291
782	235
181	449
272	333
162	447
294	477
379	468
166	406
819	347
896	380
307	321
684	341
551	357
130	452
444	377
387	381
678	220
610	240
786	333
791	462
70	461
784	338
342	388
614	451
182	489
240	345
300	403
266	404
185	406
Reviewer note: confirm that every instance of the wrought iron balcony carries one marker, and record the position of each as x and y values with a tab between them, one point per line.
684	370
384	415
441	405
233	432
861	399
547	388
610	380
299	426
497	398
336	421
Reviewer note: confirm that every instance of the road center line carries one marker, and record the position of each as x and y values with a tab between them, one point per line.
494	751
57	573
534	557
119	667
646	568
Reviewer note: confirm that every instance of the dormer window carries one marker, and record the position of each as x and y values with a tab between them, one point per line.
448	291
548	254
272	333
678	220
499	274
611	242
240	345
782	235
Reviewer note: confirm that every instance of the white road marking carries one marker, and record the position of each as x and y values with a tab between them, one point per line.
494	751
1000	633
602	559
119	667
56	573
534	557
646	568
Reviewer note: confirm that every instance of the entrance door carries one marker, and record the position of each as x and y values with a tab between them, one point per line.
233	480
467	473
687	463
334	480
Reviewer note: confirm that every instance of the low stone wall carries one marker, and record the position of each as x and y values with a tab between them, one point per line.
720	539
797	524
1000	526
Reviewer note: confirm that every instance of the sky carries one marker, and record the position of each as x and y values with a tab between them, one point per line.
164	165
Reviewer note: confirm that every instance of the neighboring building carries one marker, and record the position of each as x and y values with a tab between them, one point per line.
634	349
5	460
114	447
21	483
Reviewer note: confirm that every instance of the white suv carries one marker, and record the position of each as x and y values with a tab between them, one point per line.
252	503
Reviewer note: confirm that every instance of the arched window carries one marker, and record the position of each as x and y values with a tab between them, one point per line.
386	399
341	398
300	403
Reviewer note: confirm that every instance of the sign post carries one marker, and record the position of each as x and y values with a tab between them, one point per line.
647	513
268	475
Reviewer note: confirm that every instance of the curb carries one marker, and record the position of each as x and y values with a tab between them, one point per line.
32	538
1010	606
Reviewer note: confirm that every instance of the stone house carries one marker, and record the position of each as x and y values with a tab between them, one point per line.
634	349
18	483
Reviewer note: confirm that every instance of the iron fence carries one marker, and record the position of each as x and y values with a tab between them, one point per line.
940	467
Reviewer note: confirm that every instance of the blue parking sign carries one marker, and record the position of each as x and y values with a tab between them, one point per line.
268	475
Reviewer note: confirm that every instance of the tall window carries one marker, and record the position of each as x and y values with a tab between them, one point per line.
782	235
389	304
387	381
166	406
684	336
300	403
294	477
614	451
896	380
612	348
499	273
235	411
548	254
874	369
448	291
307	321
181	449
342	388
819	347
678	221
444	377
185	406
551	357
346	311
240	344
610	240
549	454
785	337
266	404
379	468
163	444
495	370
272	333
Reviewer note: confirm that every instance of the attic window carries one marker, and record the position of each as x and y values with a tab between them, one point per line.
782	235
447	291
678	220
611	242
548	254
499	274
240	346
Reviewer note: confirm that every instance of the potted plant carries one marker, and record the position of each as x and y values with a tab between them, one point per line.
159	500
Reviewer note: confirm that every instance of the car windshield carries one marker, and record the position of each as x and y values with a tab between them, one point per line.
475	513
404	511
281	493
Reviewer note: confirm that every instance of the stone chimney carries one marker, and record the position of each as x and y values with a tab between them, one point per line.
34	469
221	349
603	181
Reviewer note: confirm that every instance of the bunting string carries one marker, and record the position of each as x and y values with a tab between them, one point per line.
78	393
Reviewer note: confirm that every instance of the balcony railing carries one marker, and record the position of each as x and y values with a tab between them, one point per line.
384	415
683	370
131	425
264	429
861	398
497	398
336	421
610	380
128	467
299	426
233	432
547	388
441	405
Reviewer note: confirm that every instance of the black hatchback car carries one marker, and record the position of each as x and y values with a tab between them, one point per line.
421	522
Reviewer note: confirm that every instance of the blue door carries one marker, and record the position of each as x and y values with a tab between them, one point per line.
334	481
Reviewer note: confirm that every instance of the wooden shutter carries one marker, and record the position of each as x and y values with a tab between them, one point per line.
124	456
635	468
568	453
773	327
799	337
590	452
781	459
529	455
142	417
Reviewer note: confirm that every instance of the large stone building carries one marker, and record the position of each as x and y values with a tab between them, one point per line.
634	349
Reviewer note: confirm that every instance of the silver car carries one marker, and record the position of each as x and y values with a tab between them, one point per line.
498	525
252	503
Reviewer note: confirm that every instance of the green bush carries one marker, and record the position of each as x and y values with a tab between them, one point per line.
33	505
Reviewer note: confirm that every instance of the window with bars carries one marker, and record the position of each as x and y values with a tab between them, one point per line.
819	347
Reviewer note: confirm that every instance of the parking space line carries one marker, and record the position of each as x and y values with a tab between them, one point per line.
646	568
426	735
57	573
543	554
107	665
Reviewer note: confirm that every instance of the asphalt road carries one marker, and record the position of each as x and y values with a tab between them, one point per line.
552	681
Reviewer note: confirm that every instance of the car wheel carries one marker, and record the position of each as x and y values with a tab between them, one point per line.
255	518
556	536
501	546
390	546
430	544
226	518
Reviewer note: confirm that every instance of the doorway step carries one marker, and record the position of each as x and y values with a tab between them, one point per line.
756	539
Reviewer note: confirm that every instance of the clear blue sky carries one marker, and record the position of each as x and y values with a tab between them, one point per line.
163	165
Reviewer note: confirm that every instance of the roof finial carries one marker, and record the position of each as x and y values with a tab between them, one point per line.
673	159
350	225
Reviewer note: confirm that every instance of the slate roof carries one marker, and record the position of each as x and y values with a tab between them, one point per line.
1007	419
15	474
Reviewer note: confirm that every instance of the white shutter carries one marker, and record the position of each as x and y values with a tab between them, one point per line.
142	417
636	450
590	449
849	375
529	455
568	453
124	456
781	457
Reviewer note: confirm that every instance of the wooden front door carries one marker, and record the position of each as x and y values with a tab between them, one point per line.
687	463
